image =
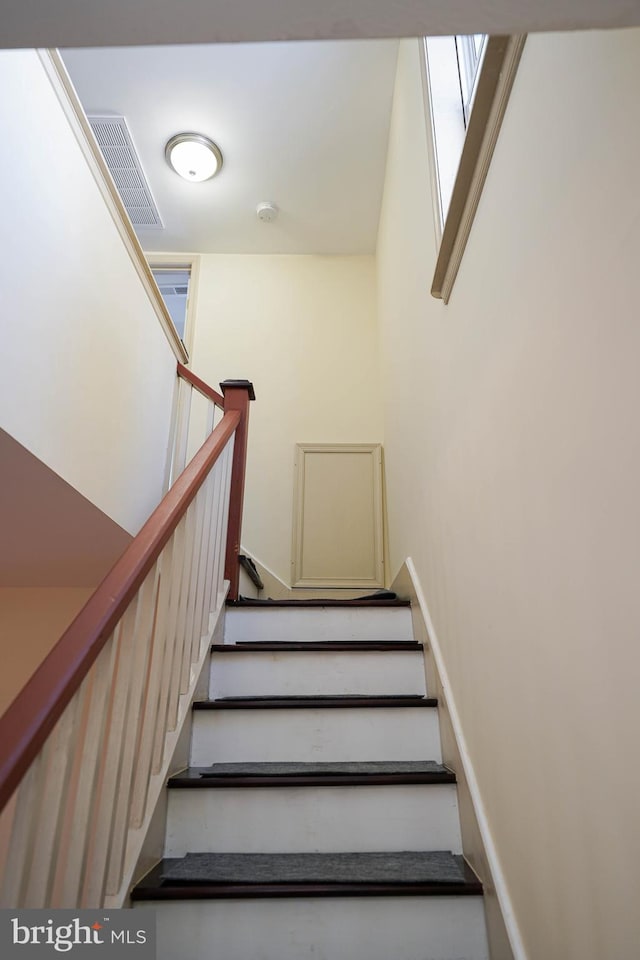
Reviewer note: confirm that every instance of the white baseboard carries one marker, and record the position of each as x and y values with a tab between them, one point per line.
493	861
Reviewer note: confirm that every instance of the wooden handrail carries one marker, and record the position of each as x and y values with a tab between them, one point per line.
200	386
28	721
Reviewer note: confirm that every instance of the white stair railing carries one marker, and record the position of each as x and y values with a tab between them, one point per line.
82	744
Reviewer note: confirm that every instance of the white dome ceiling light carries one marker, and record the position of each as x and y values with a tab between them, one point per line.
193	156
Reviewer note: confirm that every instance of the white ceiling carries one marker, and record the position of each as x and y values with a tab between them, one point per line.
304	125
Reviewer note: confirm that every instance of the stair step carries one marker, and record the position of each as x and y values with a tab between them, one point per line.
325	702
317	646
376	873
307	818
310	841
292	922
315	672
315	603
319	622
313	731
224	775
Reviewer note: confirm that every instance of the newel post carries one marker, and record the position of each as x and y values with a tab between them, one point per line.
237	396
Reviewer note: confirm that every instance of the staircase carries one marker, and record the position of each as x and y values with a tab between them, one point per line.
315	820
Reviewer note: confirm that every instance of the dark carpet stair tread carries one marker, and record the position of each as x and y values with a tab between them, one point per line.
372	601
377	867
271	774
251	875
318	646
273	703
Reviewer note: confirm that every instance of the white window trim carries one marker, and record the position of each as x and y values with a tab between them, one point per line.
497	74
182	261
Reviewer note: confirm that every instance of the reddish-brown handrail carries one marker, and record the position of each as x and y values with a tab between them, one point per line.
27	723
200	386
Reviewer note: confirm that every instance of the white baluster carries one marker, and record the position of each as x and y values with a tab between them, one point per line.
6	827
82	797
183	538
28	805
100	829
185	615
222	533
56	761
146	611
170	564
210	589
191	651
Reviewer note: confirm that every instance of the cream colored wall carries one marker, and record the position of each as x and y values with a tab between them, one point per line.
88	374
303	329
31	620
513	469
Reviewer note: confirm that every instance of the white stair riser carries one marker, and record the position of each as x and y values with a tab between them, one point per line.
306	734
378	928
308	674
324	623
313	819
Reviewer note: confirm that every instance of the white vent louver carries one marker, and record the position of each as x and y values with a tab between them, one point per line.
122	160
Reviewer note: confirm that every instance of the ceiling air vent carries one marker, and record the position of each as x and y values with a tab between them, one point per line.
124	165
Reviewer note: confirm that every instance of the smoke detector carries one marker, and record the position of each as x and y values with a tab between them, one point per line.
267	211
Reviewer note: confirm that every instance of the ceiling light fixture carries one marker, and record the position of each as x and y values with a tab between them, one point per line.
193	156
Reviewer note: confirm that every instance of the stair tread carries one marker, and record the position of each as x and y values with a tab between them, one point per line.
326	602
341	773
309	874
310	646
288	702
